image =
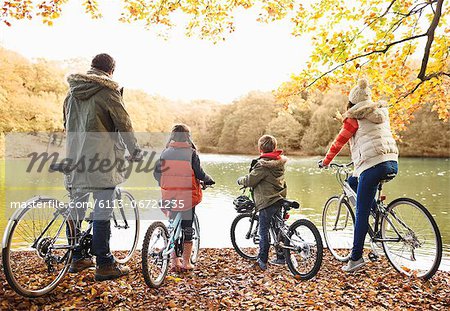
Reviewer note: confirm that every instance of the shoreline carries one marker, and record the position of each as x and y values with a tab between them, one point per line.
310	155
38	142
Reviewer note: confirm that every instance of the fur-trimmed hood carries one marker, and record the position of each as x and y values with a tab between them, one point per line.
374	112
276	167
84	86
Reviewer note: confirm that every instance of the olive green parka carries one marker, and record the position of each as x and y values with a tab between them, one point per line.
98	130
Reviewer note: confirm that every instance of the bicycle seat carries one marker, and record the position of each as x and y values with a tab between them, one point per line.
290	204
62	167
388	178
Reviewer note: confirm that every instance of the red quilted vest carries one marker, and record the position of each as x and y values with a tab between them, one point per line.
178	180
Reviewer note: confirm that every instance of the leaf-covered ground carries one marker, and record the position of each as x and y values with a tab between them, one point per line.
222	280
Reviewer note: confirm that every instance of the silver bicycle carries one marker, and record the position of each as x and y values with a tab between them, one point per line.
404	228
41	236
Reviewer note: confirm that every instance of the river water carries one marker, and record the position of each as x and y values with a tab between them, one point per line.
425	180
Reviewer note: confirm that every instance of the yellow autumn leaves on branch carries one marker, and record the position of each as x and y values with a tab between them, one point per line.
402	46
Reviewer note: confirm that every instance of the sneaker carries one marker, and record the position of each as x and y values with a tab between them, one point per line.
262	265
110	272
81	264
278	262
354	265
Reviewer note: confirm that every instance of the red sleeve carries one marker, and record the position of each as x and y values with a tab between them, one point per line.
349	129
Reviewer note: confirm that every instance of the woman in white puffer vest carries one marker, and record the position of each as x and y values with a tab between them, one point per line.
374	154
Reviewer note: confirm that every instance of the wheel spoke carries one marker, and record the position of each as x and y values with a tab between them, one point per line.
126	232
304	255
246	245
154	264
420	247
337	223
35	272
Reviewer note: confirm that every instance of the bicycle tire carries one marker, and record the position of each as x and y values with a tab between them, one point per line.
331	248
6	260
438	238
149	280
319	257
196	239
134	234
233	235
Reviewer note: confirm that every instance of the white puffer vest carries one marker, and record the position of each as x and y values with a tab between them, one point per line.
373	142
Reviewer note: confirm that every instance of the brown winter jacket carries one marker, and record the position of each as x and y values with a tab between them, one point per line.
266	178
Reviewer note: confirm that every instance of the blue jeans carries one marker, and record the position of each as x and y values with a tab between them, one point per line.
101	225
366	189
265	218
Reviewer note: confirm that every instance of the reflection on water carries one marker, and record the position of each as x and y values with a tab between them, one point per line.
425	180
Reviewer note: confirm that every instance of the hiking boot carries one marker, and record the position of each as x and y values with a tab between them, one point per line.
278	262
261	264
110	272
81	264
354	265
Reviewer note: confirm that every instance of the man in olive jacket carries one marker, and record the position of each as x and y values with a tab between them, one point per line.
98	132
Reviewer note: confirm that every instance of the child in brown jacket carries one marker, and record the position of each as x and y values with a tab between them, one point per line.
266	178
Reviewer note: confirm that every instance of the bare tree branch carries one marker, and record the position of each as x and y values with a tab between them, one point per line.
416	8
426	78
367	26
430	34
387	47
410	43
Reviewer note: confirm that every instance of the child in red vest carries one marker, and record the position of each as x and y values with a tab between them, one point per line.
178	173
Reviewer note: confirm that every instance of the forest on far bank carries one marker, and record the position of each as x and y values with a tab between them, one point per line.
32	93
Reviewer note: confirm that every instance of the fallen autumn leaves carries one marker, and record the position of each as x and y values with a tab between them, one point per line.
224	280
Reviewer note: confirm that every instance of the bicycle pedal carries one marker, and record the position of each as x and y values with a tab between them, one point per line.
373	257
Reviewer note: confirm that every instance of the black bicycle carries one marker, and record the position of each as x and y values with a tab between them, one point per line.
404	229
40	238
300	242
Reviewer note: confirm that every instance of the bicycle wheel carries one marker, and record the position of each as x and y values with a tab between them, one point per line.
155	264
412	241
195	240
124	226
338	227
37	252
304	250
244	235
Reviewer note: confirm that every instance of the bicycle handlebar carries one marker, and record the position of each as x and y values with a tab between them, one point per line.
341	171
205	185
337	165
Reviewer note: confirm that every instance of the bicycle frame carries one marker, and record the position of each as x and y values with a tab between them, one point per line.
380	208
272	233
67	214
174	233
283	231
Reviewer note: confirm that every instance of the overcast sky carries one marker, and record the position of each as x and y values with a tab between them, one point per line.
256	56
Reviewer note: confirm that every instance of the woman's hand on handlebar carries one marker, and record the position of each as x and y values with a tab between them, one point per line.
321	165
